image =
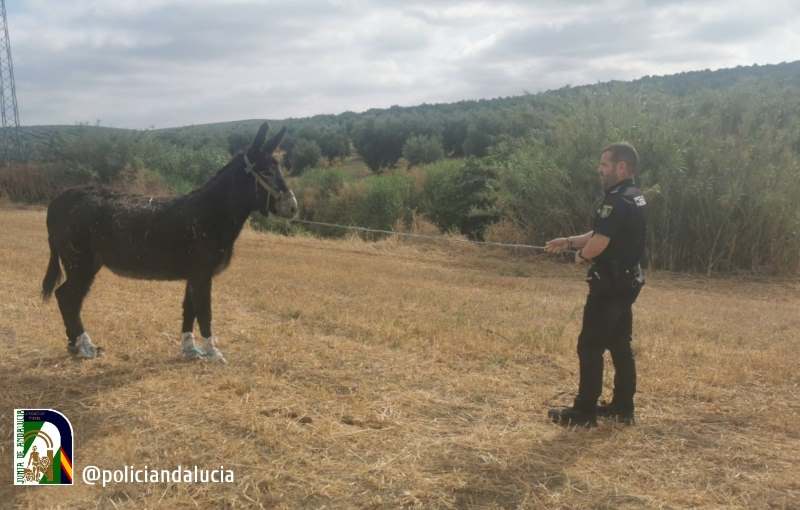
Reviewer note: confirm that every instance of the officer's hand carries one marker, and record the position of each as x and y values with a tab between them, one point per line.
578	259
556	245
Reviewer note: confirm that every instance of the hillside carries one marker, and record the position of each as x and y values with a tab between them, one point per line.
547	103
719	150
388	375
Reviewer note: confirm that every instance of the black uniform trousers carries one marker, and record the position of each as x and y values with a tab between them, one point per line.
607	324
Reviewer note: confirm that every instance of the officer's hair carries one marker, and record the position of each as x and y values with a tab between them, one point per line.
623	151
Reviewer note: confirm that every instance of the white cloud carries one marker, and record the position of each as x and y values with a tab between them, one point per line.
175	62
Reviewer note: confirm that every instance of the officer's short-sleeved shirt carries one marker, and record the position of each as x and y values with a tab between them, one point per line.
620	217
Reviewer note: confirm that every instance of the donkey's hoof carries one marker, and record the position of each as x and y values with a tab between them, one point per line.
211	351
215	355
83	348
89	352
192	353
188	349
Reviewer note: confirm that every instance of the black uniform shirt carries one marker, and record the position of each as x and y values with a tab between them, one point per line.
620	217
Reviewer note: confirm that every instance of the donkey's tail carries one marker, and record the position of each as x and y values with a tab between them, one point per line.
53	275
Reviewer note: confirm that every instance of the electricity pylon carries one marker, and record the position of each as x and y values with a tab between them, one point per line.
10	138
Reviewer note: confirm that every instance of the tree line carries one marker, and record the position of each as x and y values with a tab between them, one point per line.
720	164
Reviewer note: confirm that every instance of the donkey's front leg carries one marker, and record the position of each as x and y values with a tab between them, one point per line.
188	349
201	299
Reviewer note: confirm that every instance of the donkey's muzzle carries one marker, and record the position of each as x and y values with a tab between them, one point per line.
287	206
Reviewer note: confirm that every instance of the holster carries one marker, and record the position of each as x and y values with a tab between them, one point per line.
612	279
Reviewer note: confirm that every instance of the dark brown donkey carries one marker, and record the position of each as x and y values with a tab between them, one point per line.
185	238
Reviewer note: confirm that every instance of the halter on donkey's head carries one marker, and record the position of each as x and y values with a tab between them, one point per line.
272	192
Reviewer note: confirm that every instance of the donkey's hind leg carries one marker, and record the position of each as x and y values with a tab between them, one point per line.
70	296
200	289
188	348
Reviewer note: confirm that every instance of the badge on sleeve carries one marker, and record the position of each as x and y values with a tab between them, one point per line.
640	201
605	211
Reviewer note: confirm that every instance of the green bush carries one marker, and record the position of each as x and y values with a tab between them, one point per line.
380	142
110	157
460	196
535	193
319	198
477	141
327	181
334	145
422	149
721	183
332	196
304	155
100	154
383	201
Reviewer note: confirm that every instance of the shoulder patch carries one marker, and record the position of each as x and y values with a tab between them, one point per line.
605	211
640	201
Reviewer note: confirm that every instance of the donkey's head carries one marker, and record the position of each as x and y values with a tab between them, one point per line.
272	193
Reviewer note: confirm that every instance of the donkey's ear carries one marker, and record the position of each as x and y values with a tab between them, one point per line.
260	136
273	142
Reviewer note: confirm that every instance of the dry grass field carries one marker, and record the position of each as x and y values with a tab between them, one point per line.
389	375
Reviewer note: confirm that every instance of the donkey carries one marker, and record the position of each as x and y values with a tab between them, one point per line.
188	238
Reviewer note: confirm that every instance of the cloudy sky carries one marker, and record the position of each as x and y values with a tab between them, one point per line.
168	63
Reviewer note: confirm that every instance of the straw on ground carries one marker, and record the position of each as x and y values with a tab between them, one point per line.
381	375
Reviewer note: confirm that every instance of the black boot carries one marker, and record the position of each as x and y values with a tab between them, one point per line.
618	413
572	417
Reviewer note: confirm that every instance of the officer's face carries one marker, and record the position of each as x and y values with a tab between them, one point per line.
608	170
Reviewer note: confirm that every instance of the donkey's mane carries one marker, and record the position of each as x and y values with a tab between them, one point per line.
216	177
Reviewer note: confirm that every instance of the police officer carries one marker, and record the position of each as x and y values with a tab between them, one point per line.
613	249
